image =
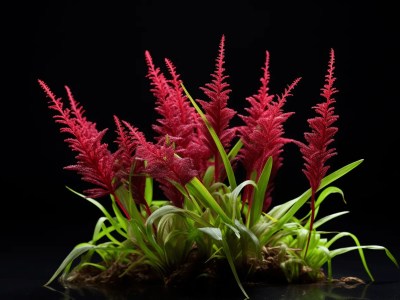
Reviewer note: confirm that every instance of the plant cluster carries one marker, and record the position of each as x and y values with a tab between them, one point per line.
207	218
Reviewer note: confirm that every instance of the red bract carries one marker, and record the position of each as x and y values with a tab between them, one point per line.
263	132
217	112
126	149
164	166
316	152
160	163
95	163
129	168
178	119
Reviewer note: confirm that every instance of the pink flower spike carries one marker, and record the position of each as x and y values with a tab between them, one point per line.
317	151
95	163
178	120
217	112
263	133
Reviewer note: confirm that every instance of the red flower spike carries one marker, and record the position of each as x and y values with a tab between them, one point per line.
157	80
259	102
179	120
164	166
127	145
126	150
217	112
262	134
272	140
95	163
316	152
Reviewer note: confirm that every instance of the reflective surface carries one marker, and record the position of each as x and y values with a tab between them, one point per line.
382	290
24	272
32	289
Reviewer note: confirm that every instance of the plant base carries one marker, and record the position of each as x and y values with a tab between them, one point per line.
195	274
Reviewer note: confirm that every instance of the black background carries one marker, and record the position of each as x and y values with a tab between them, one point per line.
97	49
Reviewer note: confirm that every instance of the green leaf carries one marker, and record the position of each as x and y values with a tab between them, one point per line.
167	209
235	149
208	177
104	211
323	195
76	252
101	230
139	233
233	267
234	196
200	192
248	235
213	232
328	218
121	220
358	247
259	193
289	209
228	167
234	229
148	190
216	234
339	173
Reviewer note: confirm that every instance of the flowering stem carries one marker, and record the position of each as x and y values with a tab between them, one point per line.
121	206
217	168
312	220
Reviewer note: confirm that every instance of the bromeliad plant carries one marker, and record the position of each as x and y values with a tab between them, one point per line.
208	220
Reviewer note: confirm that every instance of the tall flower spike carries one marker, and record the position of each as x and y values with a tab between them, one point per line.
174	111
272	139
263	132
316	152
258	104
217	112
95	163
178	119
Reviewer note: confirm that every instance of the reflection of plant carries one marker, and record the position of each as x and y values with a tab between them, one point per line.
206	216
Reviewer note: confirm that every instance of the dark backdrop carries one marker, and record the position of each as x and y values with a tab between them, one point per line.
97	49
